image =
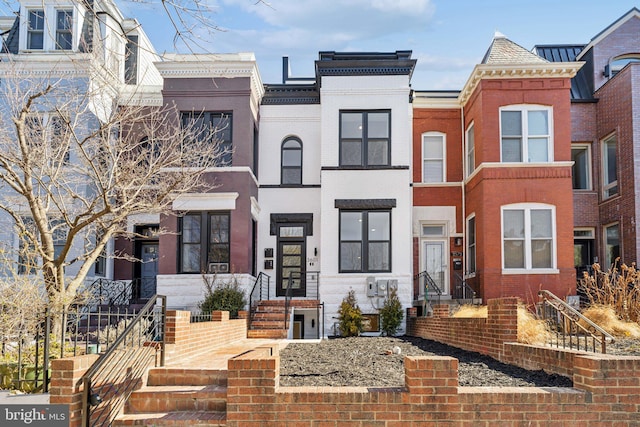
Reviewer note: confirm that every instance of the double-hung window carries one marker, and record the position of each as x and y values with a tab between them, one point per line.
365	241
35	29
433	157
48	135
49	28
64	29
205	242
365	138
470	150
581	169
525	132
612	244
215	127
528	237
471	245
609	167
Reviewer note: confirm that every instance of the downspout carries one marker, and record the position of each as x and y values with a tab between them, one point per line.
462	190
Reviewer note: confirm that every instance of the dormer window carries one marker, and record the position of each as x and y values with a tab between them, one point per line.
64	27
618	63
49	28
35	33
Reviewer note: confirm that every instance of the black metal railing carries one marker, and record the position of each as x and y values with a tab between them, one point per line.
570	328
259	292
110	292
461	289
120	370
293	276
424	283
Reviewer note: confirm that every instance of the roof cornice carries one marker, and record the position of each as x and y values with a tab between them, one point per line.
517	71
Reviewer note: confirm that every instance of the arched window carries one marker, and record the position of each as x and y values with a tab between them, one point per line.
619	62
291	162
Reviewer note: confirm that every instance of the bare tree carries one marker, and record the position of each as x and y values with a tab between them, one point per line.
74	165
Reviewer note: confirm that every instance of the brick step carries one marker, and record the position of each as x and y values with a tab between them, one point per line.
153	399
179	418
186	377
267	333
268	316
268	324
292	303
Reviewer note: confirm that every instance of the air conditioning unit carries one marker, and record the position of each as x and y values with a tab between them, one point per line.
218	267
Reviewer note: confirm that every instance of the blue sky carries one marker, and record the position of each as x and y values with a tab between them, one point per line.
448	37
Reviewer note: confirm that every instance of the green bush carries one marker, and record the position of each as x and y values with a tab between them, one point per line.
223	297
350	316
391	314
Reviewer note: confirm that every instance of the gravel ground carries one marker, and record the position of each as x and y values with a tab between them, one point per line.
371	362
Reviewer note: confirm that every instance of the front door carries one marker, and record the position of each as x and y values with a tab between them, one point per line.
291	267
435	264
148	269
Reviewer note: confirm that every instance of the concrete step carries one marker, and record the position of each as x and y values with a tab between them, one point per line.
178	418
268	324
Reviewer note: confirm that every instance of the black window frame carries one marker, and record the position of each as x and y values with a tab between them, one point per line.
206	242
284	167
364	242
212	118
364	148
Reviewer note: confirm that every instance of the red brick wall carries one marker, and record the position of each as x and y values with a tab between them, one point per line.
184	339
66	388
615	113
431	396
493	187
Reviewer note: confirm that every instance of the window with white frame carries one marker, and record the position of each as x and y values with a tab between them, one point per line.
35	29
525	132
581	170
528	237
49	134
433	157
612	244
470	151
64	29
49	28
609	167
471	244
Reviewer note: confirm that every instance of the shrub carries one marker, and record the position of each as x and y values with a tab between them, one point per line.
226	296
350	316
391	314
618	287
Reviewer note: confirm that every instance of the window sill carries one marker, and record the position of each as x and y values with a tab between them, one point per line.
522	271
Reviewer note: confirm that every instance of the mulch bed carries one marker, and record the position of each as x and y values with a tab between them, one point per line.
372	362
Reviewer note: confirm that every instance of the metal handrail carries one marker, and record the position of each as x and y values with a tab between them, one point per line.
287	296
257	292
572	316
118	372
464	287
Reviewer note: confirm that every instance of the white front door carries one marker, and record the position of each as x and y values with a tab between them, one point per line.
434	256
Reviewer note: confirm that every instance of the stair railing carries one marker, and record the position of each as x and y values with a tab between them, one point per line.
462	290
120	370
570	326
288	294
258	292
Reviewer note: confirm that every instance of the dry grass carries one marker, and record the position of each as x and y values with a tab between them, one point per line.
618	287
607	319
530	329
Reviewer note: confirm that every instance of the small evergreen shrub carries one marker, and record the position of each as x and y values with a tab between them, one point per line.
350	316
391	314
225	296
